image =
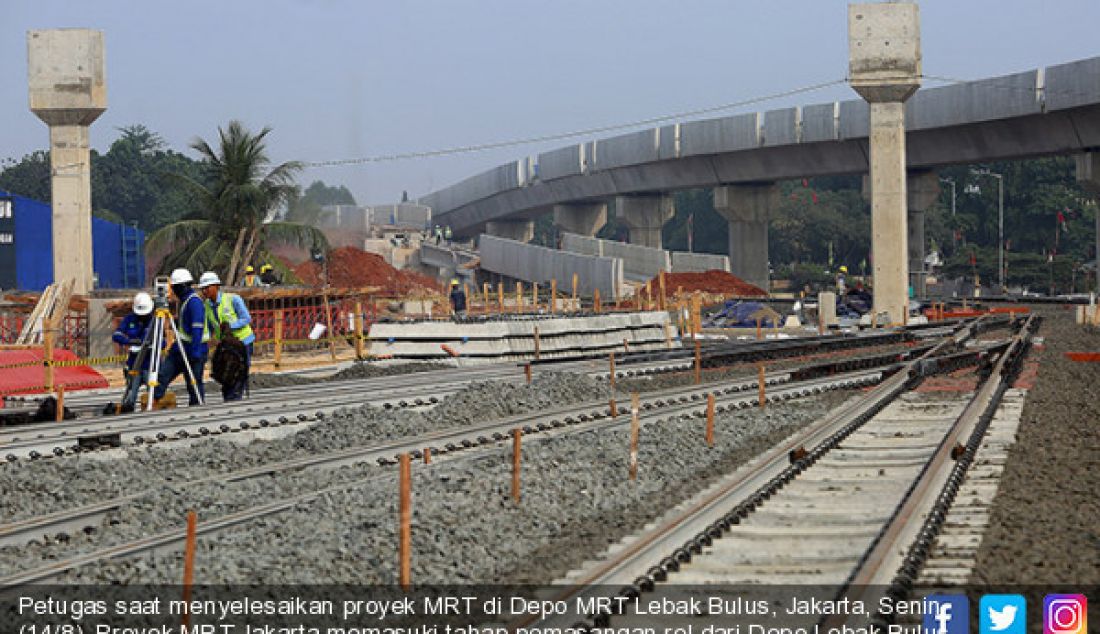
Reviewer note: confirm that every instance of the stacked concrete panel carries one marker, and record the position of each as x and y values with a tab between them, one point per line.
532	263
558	337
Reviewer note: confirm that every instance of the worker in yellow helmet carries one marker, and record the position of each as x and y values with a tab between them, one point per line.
458	299
250	278
268	277
841	281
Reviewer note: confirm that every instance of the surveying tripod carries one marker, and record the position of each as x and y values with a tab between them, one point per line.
153	344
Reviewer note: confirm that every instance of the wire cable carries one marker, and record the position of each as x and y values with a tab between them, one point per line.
466	149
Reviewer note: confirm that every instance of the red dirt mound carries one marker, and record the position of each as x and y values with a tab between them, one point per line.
713	281
350	267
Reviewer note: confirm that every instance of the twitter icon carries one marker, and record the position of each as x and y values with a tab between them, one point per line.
1003	614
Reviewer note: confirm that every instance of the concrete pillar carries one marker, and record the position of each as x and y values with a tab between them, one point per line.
923	189
68	91
747	208
582	218
518	230
644	215
885	68
1088	175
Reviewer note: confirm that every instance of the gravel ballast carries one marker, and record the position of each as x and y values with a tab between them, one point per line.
1045	524
576	501
39	487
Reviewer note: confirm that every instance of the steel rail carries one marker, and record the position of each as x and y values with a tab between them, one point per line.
660	550
673	402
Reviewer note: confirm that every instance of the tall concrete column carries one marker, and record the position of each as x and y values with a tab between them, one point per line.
747	208
68	91
644	215
1088	175
585	219
518	230
923	189
885	67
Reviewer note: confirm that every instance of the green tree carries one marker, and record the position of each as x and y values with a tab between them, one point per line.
308	207
238	197
28	177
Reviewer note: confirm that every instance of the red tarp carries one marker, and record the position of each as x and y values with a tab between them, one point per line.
30	379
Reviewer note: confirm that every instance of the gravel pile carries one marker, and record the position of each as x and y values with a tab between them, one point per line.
1045	525
36	488
358	370
577	501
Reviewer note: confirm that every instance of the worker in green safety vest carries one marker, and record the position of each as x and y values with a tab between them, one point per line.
231	315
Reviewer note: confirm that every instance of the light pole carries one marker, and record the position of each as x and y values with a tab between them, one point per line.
1000	223
951	182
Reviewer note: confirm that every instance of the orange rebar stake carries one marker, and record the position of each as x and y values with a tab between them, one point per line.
634	431
517	452
189	564
710	419
527	372
427	455
698	363
405	523
611	374
60	414
760	383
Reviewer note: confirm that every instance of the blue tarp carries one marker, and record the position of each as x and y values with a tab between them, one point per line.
33	242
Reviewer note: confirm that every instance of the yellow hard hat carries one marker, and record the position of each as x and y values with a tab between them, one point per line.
249	269
265	268
843	269
454	282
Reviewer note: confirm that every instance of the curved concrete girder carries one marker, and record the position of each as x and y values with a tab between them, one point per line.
518	230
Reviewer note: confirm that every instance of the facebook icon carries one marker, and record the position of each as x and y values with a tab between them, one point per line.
946	614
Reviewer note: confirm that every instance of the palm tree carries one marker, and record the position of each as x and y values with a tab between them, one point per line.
238	201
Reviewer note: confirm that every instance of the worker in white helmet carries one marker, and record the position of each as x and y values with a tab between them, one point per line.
132	329
194	325
233	320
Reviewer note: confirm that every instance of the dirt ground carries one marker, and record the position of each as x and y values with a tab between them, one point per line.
1045	526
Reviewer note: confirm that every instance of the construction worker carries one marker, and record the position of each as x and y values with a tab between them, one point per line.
232	320
841	285
438	234
268	277
458	299
193	323
250	279
131	332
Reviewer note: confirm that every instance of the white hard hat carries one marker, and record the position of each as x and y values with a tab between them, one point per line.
209	278
181	276
143	304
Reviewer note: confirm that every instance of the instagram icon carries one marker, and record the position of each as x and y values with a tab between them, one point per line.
1065	614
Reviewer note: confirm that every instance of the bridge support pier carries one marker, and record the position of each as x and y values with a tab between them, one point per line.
885	68
518	230
748	208
645	215
1088	175
68	91
585	219
923	191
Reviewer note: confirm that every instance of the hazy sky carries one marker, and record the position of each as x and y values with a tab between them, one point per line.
341	79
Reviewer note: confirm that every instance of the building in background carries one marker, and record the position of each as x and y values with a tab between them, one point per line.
26	248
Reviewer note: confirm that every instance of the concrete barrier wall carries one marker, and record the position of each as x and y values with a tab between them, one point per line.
532	263
496	340
683	262
639	262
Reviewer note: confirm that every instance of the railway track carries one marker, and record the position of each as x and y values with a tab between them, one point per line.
457	442
850	501
308	404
